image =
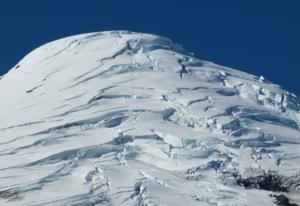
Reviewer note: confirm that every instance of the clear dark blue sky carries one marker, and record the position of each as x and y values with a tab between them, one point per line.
261	37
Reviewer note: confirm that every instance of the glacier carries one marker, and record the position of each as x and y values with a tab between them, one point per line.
125	118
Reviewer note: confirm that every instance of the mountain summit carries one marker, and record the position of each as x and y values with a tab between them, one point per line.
123	118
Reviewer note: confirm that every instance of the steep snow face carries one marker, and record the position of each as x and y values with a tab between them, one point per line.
122	118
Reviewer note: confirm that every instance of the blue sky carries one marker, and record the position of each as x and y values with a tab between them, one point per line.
261	37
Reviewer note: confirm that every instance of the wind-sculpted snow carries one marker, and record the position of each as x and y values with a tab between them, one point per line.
122	118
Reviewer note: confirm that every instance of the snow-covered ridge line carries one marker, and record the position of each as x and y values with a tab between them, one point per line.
124	118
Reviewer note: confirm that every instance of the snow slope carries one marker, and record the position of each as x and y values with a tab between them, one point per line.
122	118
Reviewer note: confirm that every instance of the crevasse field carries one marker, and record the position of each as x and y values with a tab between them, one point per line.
122	118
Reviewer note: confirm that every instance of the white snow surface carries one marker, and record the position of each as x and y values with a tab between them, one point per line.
124	118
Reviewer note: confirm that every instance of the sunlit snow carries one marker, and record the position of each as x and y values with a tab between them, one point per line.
122	118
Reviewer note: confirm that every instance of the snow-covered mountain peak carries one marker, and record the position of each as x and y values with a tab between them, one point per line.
123	118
